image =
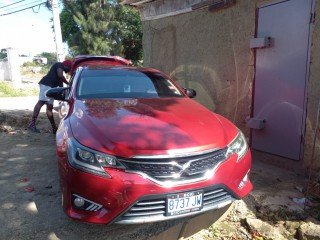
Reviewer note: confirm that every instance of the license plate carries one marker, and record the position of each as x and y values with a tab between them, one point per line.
182	203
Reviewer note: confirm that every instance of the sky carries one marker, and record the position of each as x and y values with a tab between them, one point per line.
31	33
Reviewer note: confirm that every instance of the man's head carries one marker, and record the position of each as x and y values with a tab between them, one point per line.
67	64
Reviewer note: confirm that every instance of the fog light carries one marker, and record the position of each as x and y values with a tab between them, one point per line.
85	204
244	180
79	202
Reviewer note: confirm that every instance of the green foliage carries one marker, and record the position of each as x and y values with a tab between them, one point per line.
6	90
127	33
30	64
44	68
3	53
69	56
85	24
101	27
51	57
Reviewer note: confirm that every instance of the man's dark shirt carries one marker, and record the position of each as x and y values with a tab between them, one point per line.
52	79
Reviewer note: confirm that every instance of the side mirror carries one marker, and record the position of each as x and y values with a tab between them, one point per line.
58	93
191	93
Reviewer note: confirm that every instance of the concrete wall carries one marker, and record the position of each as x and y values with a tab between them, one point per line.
4	71
14	67
313	92
209	51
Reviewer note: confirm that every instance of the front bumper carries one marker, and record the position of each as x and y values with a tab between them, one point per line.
130	198
153	208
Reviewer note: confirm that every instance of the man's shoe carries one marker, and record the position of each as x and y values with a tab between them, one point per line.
34	129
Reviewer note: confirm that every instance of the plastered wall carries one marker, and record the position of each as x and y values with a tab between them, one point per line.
4	71
312	135
210	53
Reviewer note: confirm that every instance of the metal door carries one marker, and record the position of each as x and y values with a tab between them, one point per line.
279	103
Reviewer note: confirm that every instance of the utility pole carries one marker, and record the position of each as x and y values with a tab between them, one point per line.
57	30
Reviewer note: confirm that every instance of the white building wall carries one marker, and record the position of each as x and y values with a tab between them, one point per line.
4	71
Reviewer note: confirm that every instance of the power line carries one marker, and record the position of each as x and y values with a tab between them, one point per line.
37	10
22	5
12	4
4	14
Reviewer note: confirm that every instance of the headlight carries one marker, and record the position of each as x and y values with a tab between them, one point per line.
238	146
91	161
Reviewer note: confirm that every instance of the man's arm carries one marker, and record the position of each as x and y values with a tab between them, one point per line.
61	76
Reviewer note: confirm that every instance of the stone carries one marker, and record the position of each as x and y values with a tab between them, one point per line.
267	231
292	226
309	231
226	228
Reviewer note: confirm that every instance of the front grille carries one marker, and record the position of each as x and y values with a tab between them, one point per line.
176	168
153	208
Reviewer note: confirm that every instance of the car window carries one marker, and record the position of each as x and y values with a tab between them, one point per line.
115	83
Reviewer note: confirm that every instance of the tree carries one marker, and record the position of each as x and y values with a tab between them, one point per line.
3	53
101	27
51	57
89	25
127	33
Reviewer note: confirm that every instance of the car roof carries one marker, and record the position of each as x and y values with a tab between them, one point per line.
110	67
102	57
84	60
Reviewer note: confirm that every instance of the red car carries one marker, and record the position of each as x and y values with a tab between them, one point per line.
134	147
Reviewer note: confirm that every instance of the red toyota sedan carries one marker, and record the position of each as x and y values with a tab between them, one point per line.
134	147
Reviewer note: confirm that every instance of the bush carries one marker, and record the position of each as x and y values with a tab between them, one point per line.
27	69
7	90
45	69
31	64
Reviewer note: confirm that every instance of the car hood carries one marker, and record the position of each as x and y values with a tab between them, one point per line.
135	127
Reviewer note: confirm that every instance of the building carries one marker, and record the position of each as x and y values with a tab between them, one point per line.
255	62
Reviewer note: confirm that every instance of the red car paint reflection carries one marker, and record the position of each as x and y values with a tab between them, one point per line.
132	139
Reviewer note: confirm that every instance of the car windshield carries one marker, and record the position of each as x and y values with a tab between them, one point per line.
120	83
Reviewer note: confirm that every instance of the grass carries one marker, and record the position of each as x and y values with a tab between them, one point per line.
7	90
27	67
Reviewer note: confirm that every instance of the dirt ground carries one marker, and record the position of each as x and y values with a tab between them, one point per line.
30	197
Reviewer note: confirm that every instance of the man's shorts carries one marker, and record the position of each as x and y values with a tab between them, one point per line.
42	94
